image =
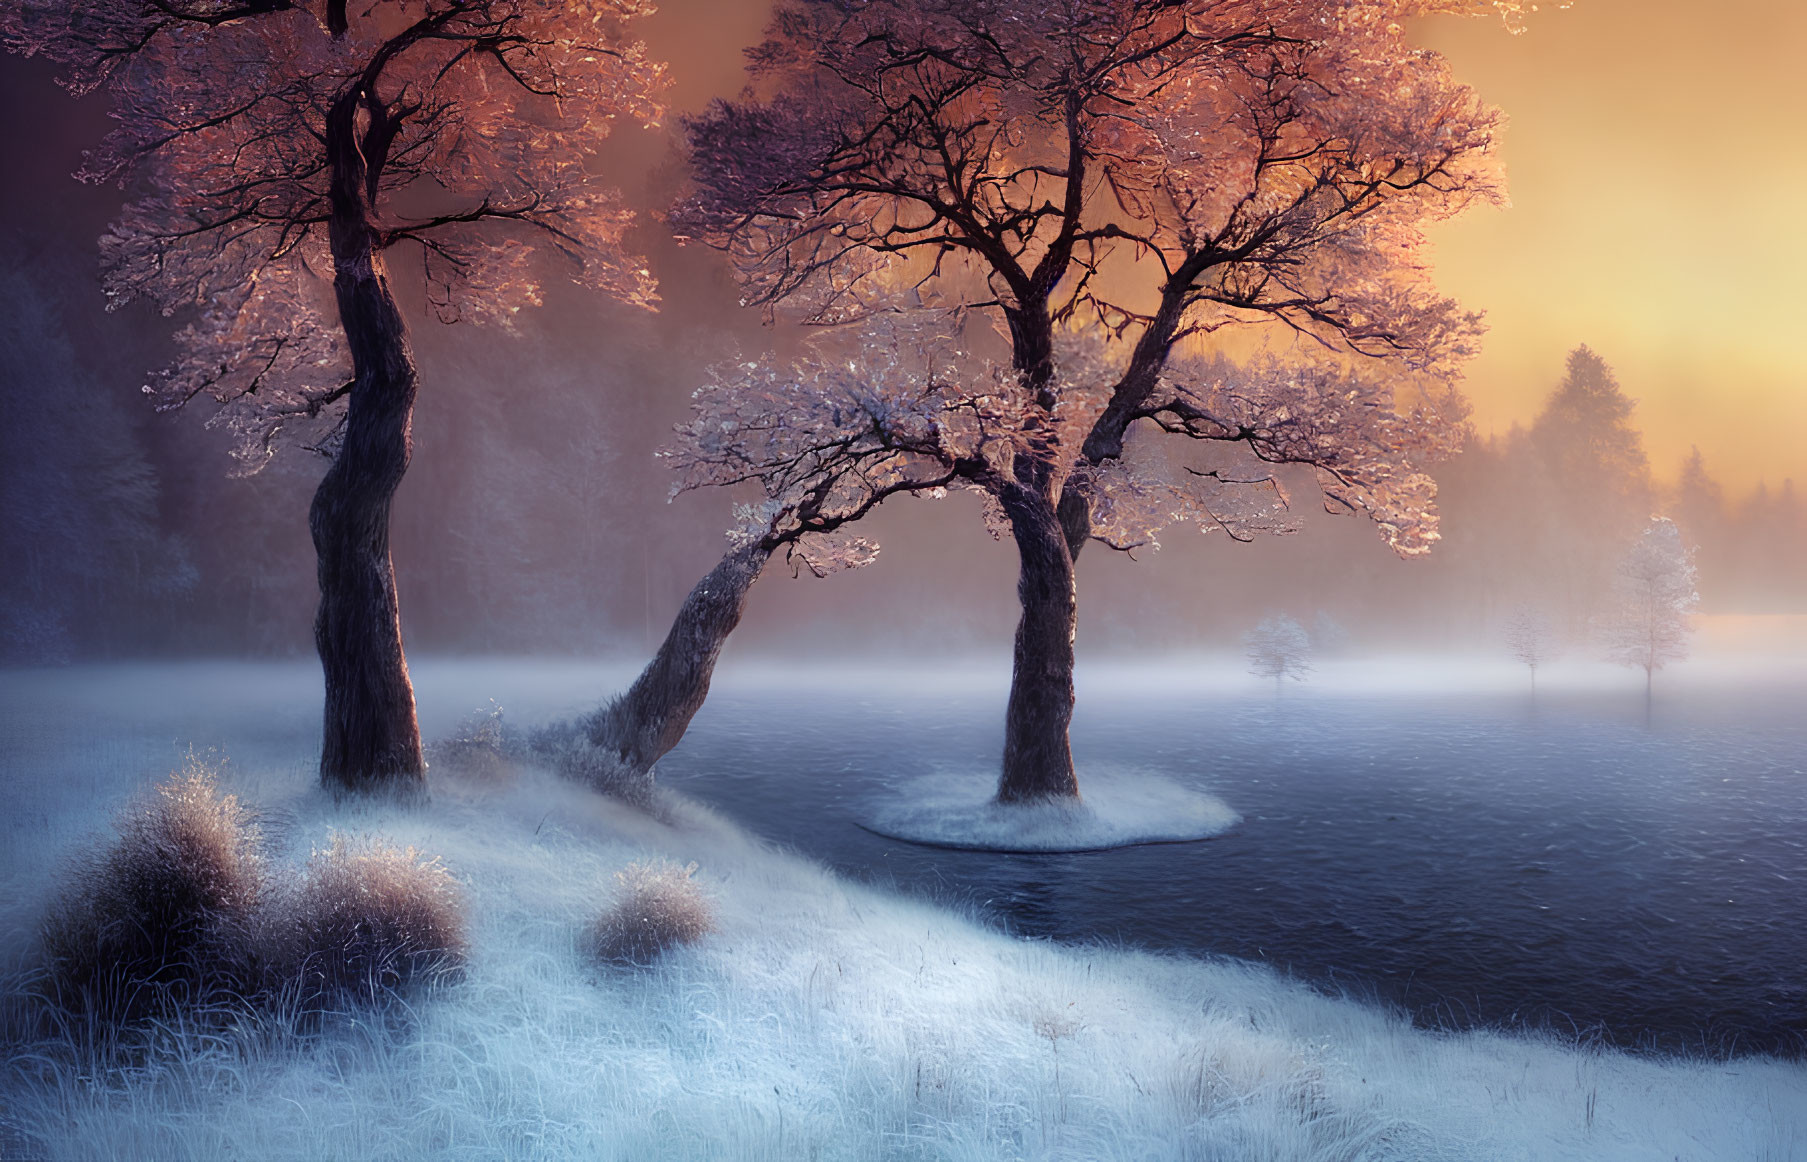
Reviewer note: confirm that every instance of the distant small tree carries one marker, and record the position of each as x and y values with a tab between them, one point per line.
1278	648
1653	613
1528	637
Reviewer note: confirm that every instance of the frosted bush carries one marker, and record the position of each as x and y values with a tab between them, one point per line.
569	750
658	907
166	910
477	748
366	918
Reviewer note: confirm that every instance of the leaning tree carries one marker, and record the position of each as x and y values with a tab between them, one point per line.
1148	172
277	153
808	437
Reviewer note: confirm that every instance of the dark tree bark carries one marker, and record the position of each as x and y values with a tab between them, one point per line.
1075	513
637	729
1038	762
371	737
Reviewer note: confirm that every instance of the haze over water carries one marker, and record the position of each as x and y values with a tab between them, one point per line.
1468	853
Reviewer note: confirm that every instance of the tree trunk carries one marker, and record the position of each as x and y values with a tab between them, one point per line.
1038	763
1075	521
637	729
371	739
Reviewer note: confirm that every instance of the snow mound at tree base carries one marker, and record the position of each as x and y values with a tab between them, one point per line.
1116	809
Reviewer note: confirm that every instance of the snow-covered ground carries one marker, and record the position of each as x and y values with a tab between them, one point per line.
954	809
822	1019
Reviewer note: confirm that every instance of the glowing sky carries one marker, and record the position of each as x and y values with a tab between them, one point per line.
1657	156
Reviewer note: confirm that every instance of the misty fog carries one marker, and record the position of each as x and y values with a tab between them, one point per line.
1502	860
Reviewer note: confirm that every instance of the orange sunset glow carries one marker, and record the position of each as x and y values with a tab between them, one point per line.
1656	155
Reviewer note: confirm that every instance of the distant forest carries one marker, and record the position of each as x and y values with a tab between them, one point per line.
535	518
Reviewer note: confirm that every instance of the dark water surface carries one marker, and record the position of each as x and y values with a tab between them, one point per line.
1479	860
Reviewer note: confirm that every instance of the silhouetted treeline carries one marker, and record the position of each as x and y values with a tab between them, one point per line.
1538	517
1542	515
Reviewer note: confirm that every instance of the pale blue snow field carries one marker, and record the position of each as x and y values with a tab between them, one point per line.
823	1019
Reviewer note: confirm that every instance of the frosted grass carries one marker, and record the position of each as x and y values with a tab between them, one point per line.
821	1020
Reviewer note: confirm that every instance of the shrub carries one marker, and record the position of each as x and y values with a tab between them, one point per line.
658	907
364	919
569	749
477	748
167	909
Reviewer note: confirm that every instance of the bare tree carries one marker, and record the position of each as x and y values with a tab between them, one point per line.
1148	172
1654	603
1529	638
1278	648
278	152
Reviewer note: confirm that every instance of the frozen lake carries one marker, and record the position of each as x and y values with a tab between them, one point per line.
1473	855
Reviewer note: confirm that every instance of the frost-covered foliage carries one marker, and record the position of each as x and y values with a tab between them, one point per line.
186	918
1529	638
1370	455
366	918
476	123
1137	175
897	406
570	748
828	437
658	906
1267	164
1654	604
478	746
1271	158
1278	648
168	911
